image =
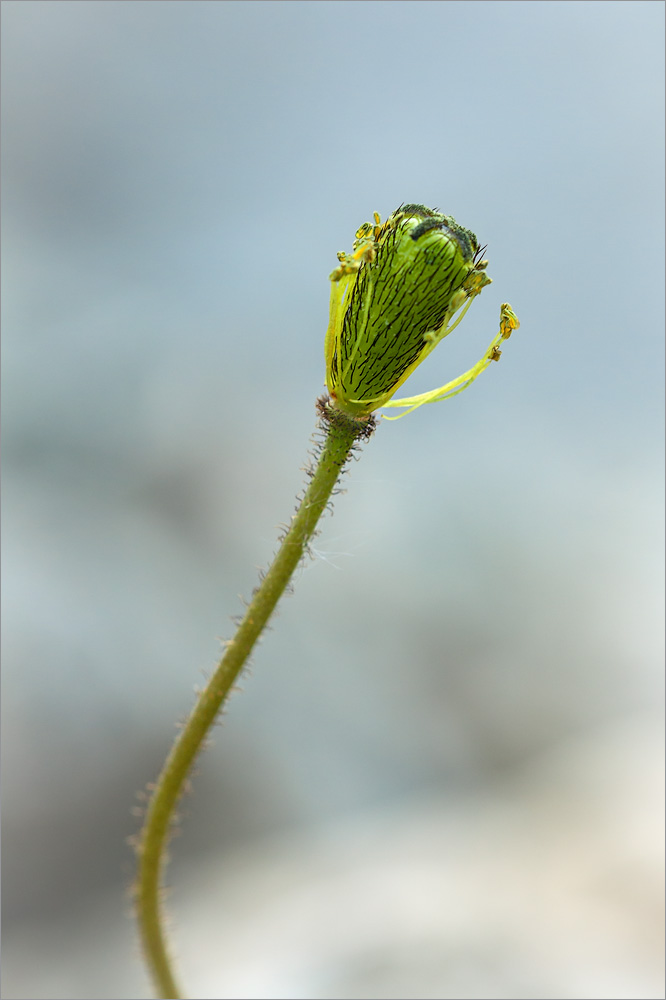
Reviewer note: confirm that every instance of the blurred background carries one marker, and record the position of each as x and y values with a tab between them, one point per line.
443	776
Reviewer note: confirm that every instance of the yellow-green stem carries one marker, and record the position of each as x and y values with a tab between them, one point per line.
341	432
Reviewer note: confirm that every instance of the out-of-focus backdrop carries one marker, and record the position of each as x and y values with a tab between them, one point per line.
442	778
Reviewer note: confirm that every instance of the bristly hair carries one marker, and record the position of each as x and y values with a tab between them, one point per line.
479	253
329	414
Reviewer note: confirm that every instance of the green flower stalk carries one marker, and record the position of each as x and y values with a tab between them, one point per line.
406	285
394	299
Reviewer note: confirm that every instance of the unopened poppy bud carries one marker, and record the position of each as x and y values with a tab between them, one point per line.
393	299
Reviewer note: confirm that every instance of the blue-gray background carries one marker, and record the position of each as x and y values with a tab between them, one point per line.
177	178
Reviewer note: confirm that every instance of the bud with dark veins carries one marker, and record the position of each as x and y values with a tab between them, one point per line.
393	299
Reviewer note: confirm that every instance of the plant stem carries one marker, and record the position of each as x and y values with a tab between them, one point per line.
341	433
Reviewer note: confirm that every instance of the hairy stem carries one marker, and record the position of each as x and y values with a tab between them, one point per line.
341	432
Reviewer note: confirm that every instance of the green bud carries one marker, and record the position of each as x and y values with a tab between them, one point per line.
393	300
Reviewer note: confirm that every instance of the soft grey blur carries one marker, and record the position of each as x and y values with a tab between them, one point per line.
442	778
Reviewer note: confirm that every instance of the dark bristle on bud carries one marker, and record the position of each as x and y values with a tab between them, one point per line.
419	210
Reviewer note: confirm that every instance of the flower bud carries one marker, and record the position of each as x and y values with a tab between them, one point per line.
393	300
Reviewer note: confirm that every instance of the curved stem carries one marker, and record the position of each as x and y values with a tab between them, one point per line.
341	432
